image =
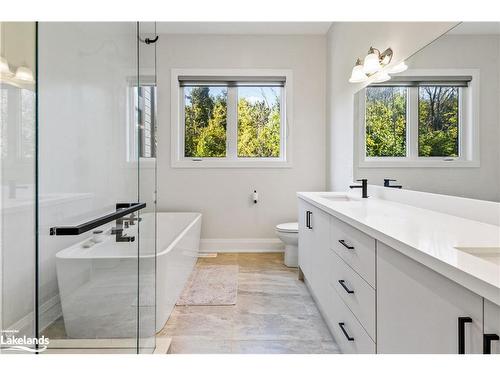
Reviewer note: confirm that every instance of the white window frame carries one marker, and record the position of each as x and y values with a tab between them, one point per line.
468	127
178	160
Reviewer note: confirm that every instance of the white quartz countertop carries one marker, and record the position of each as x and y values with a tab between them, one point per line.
427	236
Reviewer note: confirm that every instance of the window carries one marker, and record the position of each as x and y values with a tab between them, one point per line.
144	101
142	120
386	121
230	118
17	123
420	120
259	122
205	121
438	121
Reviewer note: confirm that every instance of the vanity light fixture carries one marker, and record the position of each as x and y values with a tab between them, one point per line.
24	73
4	67
398	68
381	76
375	60
357	74
375	65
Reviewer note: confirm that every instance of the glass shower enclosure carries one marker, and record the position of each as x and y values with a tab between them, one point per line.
94	188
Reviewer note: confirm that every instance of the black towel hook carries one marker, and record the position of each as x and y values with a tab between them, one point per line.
149	41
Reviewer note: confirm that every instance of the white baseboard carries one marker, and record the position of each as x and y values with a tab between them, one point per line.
50	311
241	245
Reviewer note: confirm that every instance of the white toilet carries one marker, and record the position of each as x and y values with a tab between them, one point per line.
289	234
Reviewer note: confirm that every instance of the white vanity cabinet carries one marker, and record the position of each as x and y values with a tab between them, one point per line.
306	237
337	261
420	311
491	338
376	299
314	240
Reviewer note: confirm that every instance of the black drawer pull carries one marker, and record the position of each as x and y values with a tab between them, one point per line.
461	333
342	282
346	245
487	339
341	325
308	220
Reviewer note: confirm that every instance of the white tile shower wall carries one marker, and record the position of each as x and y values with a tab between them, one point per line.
223	195
84	71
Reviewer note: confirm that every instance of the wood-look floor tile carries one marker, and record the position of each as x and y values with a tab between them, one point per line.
200	345
283	347
274	313
279	327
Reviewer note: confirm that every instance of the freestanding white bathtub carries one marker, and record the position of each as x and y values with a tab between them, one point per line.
98	286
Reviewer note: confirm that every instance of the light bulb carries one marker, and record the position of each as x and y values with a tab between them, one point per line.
4	67
371	63
24	73
398	68
357	74
381	77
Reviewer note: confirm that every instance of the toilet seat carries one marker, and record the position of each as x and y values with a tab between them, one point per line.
288	227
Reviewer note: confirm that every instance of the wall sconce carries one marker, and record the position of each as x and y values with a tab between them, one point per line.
23	74
401	67
374	64
358	75
4	68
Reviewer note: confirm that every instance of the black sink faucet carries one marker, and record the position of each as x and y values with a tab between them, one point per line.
363	187
387	183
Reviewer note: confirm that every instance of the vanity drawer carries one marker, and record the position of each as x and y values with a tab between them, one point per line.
357	294
355	248
347	331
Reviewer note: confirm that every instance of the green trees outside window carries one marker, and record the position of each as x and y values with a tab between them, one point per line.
205	115
438	121
385	121
258	121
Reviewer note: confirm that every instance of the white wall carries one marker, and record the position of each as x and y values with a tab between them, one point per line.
346	42
223	195
482	52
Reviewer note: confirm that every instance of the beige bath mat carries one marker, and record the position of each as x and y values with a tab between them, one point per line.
211	286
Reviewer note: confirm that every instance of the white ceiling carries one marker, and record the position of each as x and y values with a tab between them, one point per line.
477	28
244	28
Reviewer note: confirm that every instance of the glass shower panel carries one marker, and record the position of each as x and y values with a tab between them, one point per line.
88	279
17	181
145	127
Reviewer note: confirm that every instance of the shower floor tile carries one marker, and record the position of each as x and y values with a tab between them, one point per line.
274	313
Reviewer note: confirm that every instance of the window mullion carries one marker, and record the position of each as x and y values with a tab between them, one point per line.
182	121
412	124
463	135
232	123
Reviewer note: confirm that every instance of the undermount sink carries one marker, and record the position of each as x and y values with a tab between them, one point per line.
337	198
491	254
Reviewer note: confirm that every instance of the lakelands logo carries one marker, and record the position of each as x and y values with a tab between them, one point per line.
9	341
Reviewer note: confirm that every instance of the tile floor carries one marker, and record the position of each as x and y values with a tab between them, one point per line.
274	314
